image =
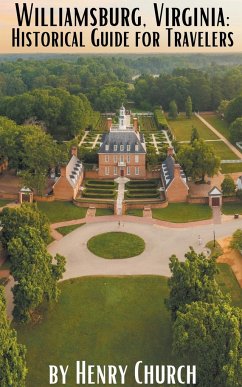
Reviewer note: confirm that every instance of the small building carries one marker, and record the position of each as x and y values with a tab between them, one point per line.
174	179
215	197
122	151
68	184
26	195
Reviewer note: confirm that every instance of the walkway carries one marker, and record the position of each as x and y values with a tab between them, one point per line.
209	126
121	188
95	141
155	143
83	138
167	138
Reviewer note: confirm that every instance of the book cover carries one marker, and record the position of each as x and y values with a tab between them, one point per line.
120	193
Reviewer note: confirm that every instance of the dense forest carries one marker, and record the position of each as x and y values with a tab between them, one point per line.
62	93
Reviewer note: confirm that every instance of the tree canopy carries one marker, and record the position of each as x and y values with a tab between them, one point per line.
13	368
198	159
228	186
192	280
210	336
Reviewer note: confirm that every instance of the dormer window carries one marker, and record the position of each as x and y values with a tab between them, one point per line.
136	147
106	147
121	148
128	148
115	148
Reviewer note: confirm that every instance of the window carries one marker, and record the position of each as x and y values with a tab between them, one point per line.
115	148
106	158
115	170
106	147
137	170
121	158
121	147
106	170
115	159
136	158
128	170
136	147
128	148
128	158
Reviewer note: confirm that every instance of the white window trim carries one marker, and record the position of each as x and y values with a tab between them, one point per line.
128	148
121	158
106	158
128	171
136	171
136	148
106	171
115	148
121	147
128	158
106	147
115	159
115	171
136	158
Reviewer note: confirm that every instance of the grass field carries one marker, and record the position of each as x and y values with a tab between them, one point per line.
182	128
183	212
67	229
229	284
231	168
104	211
103	321
61	211
116	245
219	124
224	152
135	212
232	208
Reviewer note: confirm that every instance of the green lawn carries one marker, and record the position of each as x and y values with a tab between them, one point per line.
182	212
67	229
230	168
223	151
3	202
135	212
182	128
104	211
229	284
102	320
232	208
61	211
219	124
116	245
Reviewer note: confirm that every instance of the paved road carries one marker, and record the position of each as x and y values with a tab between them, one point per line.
161	243
233	148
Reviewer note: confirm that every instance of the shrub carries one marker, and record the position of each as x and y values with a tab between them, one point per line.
160	119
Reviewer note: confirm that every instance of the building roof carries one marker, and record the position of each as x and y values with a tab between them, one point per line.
215	191
73	170
167	171
121	138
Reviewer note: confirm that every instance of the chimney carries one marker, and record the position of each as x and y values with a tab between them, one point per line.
177	170
170	151
135	124
63	170
109	123
74	151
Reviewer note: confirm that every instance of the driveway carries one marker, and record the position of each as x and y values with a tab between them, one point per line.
161	243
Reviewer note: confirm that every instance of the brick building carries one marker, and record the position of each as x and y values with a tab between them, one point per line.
68	184
174	179
122	151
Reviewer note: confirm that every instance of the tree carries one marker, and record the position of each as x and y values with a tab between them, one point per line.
188	107
228	186
194	135
13	369
222	107
236	130
234	110
236	242
32	268
192	280
173	113
198	159
26	215
210	336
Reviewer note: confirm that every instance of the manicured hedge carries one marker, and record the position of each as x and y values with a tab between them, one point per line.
99	191
142	196
101	182
102	196
142	192
100	186
160	119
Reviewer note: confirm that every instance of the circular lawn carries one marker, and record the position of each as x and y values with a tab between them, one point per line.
116	245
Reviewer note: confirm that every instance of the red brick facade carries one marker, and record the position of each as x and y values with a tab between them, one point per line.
177	190
129	165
